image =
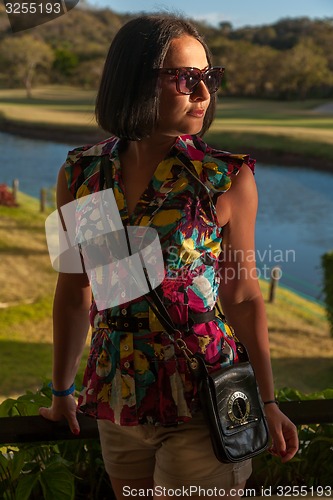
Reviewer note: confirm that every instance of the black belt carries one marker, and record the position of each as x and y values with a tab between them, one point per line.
134	324
128	323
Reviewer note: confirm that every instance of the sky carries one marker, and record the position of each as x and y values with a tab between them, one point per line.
237	12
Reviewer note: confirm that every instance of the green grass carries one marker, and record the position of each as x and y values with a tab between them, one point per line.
26	347
57	107
301	346
278	127
26	295
278	147
26	366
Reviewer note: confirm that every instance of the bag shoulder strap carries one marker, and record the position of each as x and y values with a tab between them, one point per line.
105	173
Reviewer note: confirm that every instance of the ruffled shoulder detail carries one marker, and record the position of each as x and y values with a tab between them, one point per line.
215	167
82	164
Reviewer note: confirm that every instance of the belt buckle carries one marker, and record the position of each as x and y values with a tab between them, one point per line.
123	324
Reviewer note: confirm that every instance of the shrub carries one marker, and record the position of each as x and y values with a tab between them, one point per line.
65	470
7	197
70	470
311	467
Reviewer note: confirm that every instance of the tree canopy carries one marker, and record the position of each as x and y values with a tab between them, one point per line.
289	59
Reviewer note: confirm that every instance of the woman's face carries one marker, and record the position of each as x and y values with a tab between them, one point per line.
181	114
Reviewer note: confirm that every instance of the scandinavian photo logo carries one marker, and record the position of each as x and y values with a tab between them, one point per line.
87	236
24	15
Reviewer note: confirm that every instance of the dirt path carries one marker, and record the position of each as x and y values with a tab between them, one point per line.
324	108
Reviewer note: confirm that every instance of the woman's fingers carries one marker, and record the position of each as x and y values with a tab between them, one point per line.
283	433
62	408
291	441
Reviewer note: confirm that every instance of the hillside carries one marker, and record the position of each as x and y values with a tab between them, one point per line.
290	59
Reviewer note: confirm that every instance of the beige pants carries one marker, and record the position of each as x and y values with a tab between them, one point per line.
175	457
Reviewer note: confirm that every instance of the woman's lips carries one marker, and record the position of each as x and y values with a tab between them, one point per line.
197	113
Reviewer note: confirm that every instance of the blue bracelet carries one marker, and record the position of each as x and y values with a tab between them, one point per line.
60	394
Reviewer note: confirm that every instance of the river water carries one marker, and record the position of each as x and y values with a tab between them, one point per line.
295	216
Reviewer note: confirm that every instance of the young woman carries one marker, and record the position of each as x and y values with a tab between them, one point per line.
156	99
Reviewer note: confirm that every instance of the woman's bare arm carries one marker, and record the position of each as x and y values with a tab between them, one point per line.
242	301
70	327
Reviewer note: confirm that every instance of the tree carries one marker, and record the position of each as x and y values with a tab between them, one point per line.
23	56
88	73
65	62
292	58
247	67
225	28
266	35
301	72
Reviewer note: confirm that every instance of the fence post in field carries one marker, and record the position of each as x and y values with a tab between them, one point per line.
327	266
42	199
275	277
15	189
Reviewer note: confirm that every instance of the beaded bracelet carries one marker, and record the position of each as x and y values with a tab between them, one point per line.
271	401
61	394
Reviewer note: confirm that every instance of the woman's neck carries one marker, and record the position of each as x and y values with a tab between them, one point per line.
149	151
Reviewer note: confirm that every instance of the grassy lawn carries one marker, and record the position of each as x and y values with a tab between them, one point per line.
26	293
277	126
301	345
53	97
301	348
55	107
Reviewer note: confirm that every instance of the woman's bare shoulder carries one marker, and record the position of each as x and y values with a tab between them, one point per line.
242	196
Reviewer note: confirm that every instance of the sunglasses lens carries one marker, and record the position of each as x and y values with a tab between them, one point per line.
188	79
213	79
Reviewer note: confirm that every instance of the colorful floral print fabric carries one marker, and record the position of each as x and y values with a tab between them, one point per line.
139	377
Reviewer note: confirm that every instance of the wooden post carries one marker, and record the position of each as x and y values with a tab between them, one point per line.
275	277
42	199
15	189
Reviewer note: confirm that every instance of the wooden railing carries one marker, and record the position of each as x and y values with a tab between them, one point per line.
37	429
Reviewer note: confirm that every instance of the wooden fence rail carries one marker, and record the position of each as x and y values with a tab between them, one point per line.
37	429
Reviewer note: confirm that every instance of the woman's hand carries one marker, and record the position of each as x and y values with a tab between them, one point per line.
283	433
62	407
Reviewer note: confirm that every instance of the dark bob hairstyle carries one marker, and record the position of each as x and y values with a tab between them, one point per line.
128	96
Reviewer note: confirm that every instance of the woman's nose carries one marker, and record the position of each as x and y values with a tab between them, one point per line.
200	93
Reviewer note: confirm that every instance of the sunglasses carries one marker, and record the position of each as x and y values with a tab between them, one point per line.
187	79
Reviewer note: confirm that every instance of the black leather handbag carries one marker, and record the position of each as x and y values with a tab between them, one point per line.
233	408
229	397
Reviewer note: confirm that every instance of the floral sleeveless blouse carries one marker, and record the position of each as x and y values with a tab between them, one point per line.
140	377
